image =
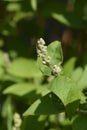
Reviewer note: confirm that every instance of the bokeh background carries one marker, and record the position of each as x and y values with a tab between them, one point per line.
22	23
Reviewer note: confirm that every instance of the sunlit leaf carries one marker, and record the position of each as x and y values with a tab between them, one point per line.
22	89
24	68
71	19
13	7
7	112
2	73
55	52
69	66
61	18
82	83
34	4
65	89
2	59
76	74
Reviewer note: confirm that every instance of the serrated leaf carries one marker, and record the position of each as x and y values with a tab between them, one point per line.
48	104
65	89
24	68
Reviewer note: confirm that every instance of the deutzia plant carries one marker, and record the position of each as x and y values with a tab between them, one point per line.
61	94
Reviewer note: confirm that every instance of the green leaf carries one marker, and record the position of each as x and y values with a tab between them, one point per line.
76	74
13	7
65	89
71	109
48	104
61	18
83	80
32	123
19	89
72	19
80	123
2	59
2	73
55	52
69	66
22	89
7	112
24	68
34	4
22	15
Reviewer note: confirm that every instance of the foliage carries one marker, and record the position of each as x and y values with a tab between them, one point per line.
43	100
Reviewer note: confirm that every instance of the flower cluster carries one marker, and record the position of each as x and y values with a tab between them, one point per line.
46	59
17	121
42	51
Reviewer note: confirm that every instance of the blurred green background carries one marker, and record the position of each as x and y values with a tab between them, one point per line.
22	22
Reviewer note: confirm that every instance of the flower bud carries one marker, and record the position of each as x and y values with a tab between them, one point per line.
44	62
42	41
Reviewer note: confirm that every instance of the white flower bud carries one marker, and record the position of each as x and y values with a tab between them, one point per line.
16	116
38	51
18	122
45	47
38	42
44	62
56	69
40	46
41	55
44	52
49	58
42	41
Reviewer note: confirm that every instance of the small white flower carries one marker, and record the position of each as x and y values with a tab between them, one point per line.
16	116
49	58
56	69
44	62
17	121
38	51
44	50
42	41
